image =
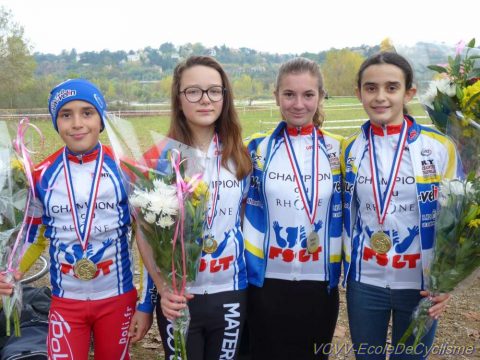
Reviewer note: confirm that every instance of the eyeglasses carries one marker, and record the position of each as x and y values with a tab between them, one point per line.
195	94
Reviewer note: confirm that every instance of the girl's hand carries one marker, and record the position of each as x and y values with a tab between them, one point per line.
440	301
172	304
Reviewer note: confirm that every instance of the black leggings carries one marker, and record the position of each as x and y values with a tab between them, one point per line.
215	326
289	320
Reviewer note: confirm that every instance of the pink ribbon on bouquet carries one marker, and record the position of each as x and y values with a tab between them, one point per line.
183	188
24	154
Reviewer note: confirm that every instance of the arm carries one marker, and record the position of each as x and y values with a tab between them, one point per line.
36	241
143	318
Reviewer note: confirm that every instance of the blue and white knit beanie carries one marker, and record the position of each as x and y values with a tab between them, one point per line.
76	89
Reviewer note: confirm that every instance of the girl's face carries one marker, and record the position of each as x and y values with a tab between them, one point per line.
204	112
383	94
298	98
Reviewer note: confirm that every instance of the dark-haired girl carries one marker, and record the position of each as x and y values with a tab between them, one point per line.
392	170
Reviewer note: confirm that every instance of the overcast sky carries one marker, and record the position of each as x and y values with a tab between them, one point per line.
279	26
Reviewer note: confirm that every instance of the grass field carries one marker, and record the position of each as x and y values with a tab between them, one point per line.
343	117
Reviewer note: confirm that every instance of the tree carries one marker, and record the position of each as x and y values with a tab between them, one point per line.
387	45
16	63
247	88
340	71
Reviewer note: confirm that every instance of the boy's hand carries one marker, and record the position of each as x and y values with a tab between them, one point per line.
6	288
139	326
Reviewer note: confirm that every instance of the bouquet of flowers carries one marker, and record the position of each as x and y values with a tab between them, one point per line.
168	200
453	104
453	101
15	196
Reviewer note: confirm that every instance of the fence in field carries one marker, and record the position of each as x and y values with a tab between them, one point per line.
328	124
272	110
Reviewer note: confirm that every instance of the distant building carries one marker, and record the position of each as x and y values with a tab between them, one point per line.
133	57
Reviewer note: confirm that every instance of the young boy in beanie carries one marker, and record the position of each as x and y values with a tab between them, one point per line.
82	210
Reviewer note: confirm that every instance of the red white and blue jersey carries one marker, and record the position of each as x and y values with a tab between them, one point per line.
224	269
404	271
108	245
428	156
276	225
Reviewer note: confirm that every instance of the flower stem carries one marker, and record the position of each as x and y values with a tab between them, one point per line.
16	323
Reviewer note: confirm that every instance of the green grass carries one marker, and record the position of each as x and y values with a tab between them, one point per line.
255	119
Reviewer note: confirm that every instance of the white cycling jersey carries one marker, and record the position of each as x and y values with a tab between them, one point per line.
404	271
224	269
108	246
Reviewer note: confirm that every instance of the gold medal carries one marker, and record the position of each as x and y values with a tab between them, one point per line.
313	242
209	244
85	269
380	242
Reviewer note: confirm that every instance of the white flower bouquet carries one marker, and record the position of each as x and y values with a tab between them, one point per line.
453	103
168	200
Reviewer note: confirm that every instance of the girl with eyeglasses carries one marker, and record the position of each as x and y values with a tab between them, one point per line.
293	224
204	117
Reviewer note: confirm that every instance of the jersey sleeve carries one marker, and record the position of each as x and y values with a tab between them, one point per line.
36	242
147	292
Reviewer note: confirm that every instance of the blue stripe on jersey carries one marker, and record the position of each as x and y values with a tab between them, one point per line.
266	243
326	229
51	232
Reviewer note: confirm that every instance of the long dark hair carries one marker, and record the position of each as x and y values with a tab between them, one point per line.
227	125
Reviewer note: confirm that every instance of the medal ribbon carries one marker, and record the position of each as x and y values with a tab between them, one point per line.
85	234
310	204
216	186
382	201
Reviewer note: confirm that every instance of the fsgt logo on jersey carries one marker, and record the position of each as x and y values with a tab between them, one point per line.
409	261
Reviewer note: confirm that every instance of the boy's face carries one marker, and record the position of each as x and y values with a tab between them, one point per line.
79	126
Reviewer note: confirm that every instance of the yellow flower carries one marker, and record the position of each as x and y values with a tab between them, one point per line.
16	165
201	190
474	223
468	93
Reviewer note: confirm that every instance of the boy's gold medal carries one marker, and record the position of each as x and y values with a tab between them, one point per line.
85	269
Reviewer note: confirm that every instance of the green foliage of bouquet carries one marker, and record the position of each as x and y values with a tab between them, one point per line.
14	190
173	226
453	103
168	200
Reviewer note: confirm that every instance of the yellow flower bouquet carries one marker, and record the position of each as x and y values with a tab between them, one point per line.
453	103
